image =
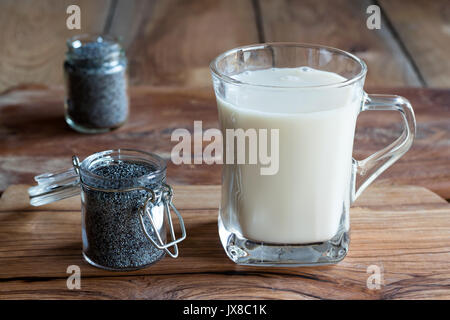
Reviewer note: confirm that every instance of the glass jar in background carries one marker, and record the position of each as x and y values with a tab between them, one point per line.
95	71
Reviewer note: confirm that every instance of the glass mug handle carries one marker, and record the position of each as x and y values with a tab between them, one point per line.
367	170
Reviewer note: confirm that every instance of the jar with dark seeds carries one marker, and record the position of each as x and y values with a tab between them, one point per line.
113	237
96	84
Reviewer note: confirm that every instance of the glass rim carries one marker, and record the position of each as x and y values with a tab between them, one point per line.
83	38
112	55
160	163
214	70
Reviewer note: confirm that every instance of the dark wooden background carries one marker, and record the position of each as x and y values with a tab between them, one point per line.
171	42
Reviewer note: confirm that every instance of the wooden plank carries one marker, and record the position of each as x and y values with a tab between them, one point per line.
172	42
207	197
408	238
33	36
340	24
424	28
35	138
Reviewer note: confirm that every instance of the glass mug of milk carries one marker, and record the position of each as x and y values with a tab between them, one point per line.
305	99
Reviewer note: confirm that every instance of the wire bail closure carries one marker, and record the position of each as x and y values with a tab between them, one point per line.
150	202
76	164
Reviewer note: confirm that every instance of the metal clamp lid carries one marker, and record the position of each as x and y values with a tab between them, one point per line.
167	201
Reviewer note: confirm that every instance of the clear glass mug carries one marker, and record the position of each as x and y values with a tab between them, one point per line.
300	214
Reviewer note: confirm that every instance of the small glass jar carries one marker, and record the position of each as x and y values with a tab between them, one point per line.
95	71
124	203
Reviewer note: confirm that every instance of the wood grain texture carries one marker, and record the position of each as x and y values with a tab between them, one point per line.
405	230
424	29
172	42
155	113
33	36
34	137
340	24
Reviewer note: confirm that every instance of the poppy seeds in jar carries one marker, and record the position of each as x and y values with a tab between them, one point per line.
96	84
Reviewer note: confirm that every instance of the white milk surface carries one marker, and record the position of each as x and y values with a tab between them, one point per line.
304	201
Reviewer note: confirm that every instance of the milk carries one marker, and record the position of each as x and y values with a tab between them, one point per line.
305	200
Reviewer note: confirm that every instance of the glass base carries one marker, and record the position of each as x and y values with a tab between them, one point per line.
256	253
77	127
92	263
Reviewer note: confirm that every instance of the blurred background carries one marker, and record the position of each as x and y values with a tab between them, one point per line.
171	42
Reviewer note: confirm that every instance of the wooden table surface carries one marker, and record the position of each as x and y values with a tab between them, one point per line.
169	45
398	225
400	231
36	138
